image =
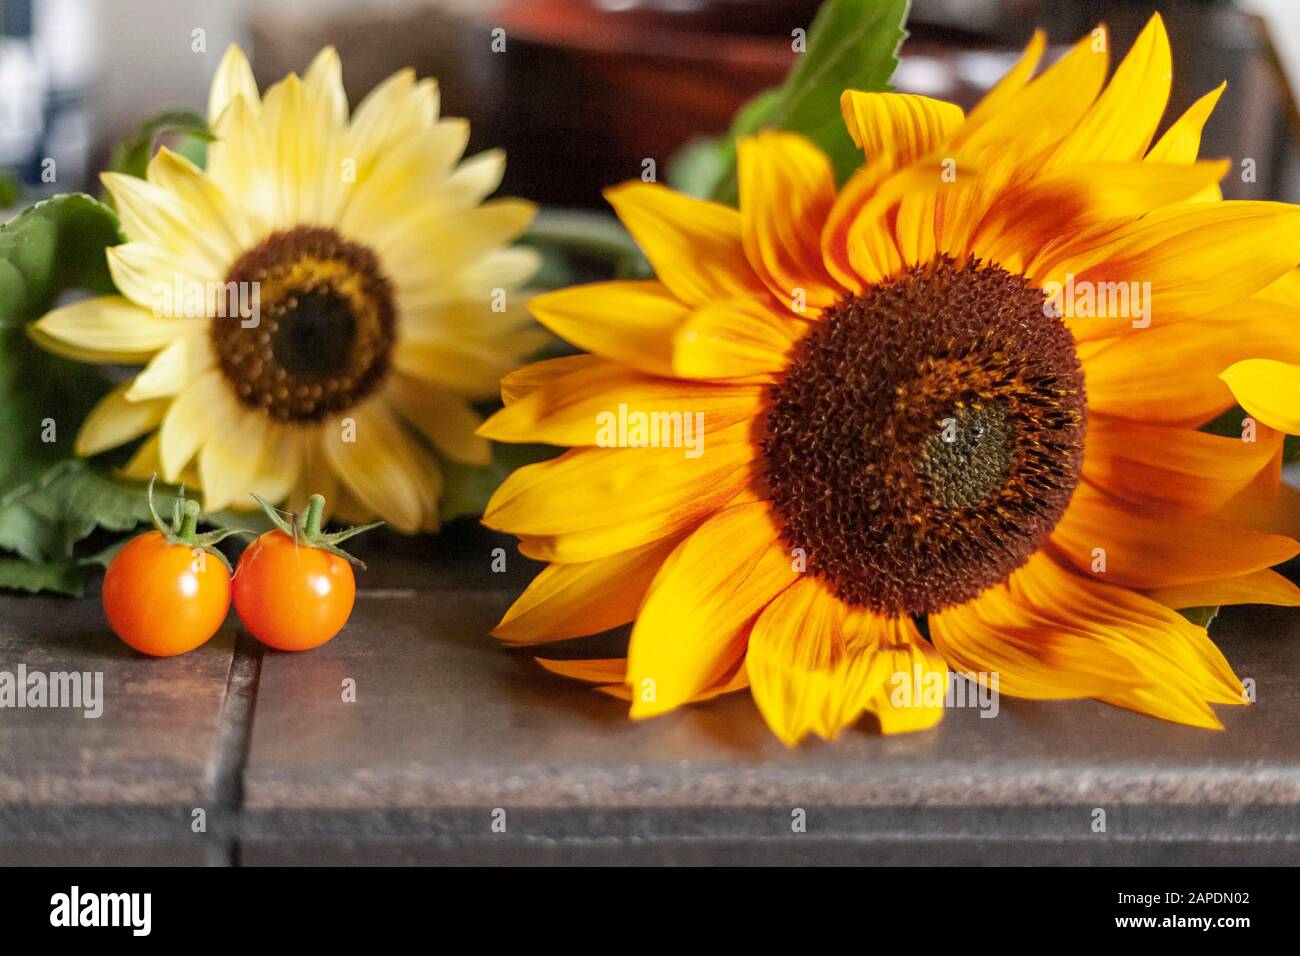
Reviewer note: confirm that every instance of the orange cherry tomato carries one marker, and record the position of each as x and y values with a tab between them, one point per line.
290	595
165	598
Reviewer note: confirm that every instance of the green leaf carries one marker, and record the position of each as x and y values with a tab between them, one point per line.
1201	616
44	519
581	246
62	577
132	155
54	245
10	189
49	501
852	44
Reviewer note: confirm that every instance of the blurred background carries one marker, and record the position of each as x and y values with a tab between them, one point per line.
586	90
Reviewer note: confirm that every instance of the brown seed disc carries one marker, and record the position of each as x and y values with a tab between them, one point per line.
325	330
927	437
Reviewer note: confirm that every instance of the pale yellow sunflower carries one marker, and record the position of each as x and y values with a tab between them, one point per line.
318	308
928	442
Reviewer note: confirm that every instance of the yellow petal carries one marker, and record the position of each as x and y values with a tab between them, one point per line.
234	77
1258	587
220	228
593	502
474	369
1178	467
391	113
698	612
895	129
629	322
786	183
279	467
815	666
172	369
324	83
474	179
381	466
442	416
110	329
1268	390
158	280
397	199
570	408
230	458
1182	671
169	221
1198	258
1158	547
695	246
1181	142
1089	198
1170	373
238	160
573	600
738	339
522	381
1121	123
1012	82
203	408
115	420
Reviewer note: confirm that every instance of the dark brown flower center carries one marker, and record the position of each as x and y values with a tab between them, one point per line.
927	437
324	330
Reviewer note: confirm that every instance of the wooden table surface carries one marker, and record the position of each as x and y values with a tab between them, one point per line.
450	733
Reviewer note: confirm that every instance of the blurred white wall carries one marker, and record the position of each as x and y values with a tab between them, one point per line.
148	63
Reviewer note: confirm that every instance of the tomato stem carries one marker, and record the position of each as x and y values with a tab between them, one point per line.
315	508
189	521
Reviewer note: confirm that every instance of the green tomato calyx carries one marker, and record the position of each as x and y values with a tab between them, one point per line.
306	528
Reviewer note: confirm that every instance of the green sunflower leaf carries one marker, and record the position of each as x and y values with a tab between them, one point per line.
49	500
852	44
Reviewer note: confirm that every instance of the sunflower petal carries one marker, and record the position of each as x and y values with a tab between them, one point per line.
234	78
816	667
1258	587
574	600
695	246
593	502
116	420
785	183
229	459
628	322
740	339
1121	123
696	617
1268	390
1181	142
570	408
895	129
1159	547
442	416
382	467
1178	467
109	329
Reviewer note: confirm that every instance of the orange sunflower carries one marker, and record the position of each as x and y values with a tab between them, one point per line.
948	416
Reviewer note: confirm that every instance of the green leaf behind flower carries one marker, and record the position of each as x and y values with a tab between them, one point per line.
132	155
852	44
50	501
